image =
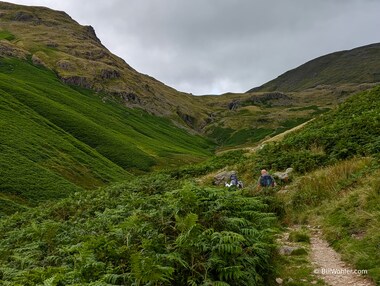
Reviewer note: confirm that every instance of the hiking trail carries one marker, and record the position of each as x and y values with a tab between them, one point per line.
326	264
329	266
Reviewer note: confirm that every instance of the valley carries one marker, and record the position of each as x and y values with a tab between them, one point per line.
107	175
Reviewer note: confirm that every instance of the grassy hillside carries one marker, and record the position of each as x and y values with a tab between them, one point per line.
360	65
344	201
246	119
58	139
350	130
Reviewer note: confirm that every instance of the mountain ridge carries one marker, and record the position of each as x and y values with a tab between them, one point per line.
323	70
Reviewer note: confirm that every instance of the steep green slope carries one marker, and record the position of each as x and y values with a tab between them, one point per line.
350	130
56	139
356	66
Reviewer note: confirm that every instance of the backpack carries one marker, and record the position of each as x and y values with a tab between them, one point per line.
266	181
234	180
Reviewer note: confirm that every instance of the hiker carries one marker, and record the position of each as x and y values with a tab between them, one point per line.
234	181
265	180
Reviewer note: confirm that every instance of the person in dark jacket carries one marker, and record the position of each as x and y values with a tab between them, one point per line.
265	180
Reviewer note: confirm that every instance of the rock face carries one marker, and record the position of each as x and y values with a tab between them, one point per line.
223	177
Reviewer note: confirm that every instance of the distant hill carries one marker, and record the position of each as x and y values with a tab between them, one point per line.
356	66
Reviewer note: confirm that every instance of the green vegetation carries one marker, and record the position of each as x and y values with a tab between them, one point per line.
226	137
343	199
316	109
351	130
295	267
352	225
299	236
5	35
248	135
57	140
64	143
150	231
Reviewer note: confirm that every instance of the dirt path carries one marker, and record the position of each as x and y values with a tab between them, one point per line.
278	137
329	266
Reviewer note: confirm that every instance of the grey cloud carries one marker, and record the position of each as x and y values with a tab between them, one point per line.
215	46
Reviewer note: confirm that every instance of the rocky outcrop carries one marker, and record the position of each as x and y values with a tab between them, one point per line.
23	16
77	80
272	98
92	53
109	74
129	97
90	33
9	50
51	44
37	61
188	119
65	65
233	105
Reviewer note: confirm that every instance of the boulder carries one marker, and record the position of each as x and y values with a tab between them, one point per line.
287	250
223	177
279	281
283	176
37	61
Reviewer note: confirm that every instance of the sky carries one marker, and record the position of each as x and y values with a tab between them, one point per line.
218	46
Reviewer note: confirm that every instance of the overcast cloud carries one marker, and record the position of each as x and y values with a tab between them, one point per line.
217	46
